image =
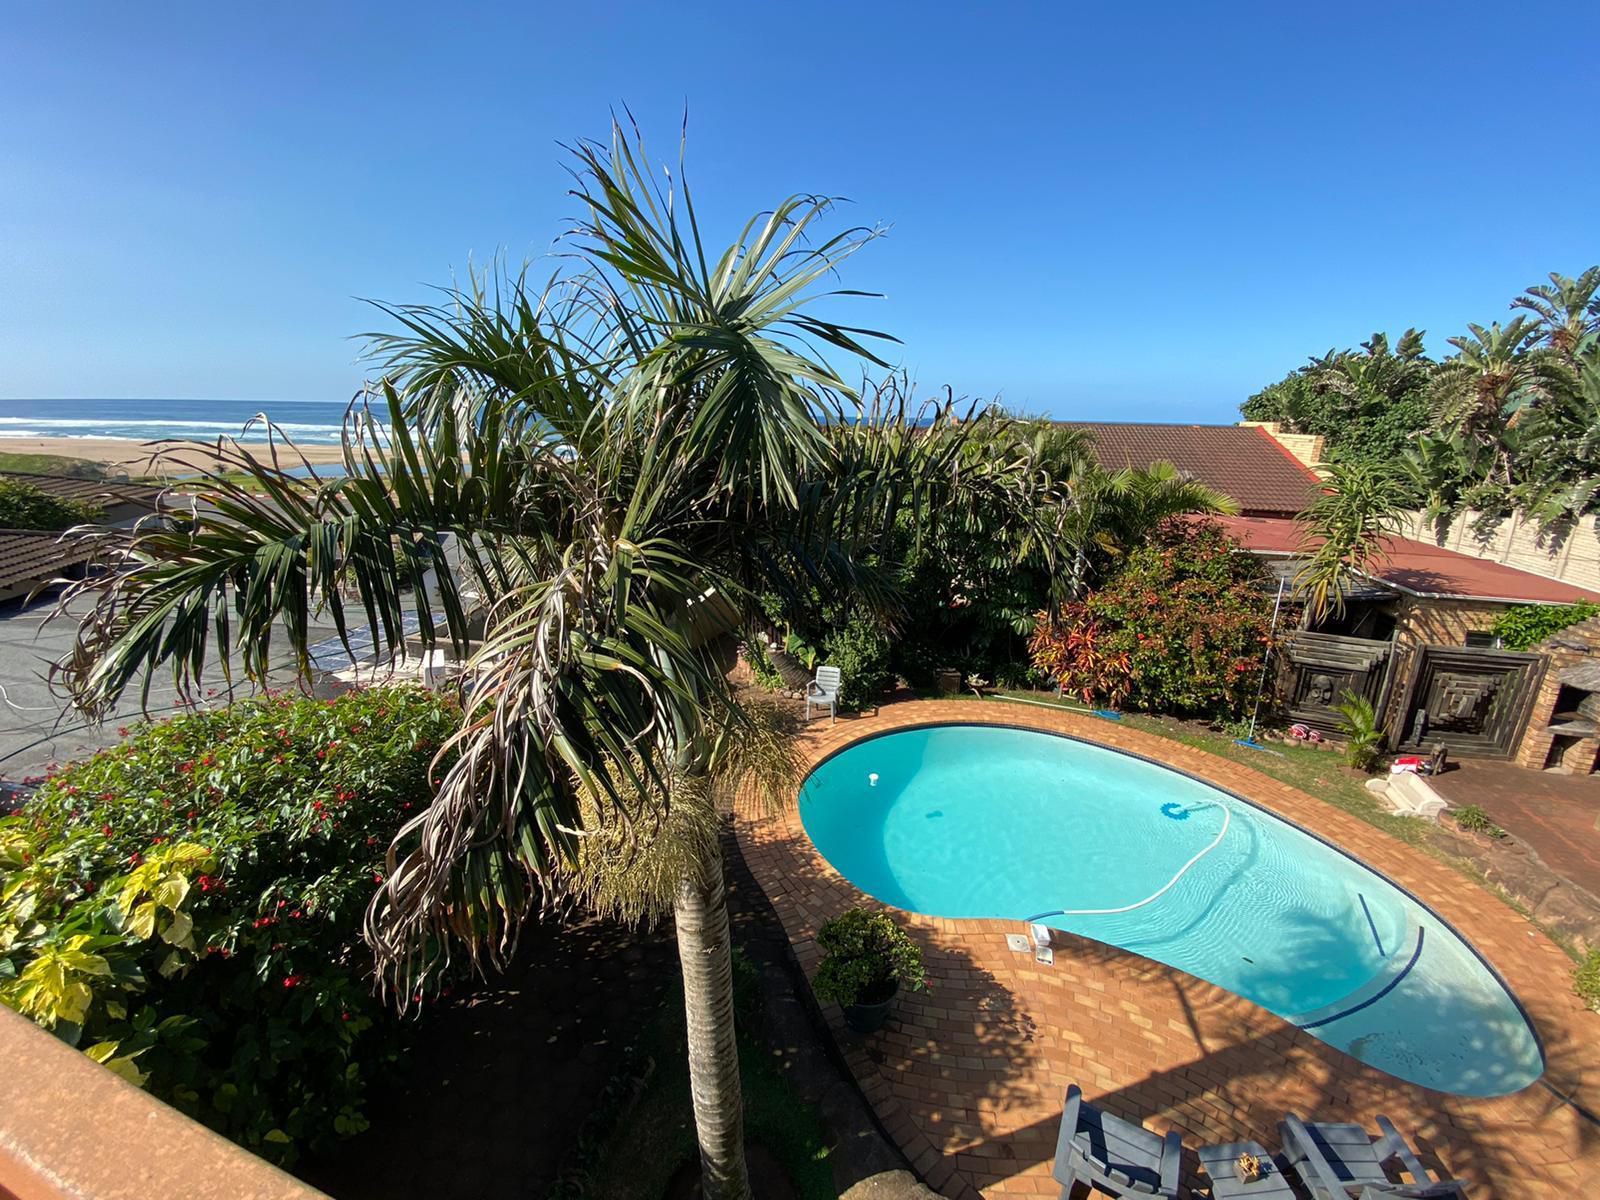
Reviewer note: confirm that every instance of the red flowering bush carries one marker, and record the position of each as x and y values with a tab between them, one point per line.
1182	628
187	906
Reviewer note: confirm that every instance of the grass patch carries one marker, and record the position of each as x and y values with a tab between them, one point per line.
1474	820
637	1159
1586	980
52	464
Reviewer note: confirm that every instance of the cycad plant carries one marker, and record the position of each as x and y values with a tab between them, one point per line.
1496	376
1567	309
584	468
1358	724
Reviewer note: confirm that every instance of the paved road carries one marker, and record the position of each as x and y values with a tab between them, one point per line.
37	727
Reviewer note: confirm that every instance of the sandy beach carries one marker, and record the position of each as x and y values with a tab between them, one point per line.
134	458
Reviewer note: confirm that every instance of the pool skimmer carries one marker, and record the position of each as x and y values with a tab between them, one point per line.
1037	939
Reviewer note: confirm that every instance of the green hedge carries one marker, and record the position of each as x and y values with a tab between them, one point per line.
860	649
1523	626
186	906
24	506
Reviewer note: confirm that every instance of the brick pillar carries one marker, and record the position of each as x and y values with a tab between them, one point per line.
1576	644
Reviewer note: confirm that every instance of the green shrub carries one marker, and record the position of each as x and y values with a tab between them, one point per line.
186	906
864	954
1358	725
1586	979
860	649
1523	626
24	506
1182	628
761	666
1474	820
802	651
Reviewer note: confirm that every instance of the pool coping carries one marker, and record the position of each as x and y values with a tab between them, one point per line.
1293	1019
908	1071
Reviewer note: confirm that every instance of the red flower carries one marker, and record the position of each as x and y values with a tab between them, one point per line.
105	830
290	981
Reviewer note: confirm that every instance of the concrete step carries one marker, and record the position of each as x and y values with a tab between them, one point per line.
1408	795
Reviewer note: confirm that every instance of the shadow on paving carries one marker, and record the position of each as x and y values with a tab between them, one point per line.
500	1081
978	1070
793	1034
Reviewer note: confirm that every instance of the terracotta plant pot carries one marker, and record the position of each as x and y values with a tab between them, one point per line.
869	1016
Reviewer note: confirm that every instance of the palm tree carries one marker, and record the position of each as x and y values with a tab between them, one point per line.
1108	514
1566	309
1345	530
1560	448
577	467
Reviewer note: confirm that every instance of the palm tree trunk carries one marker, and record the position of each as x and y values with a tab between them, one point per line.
700	910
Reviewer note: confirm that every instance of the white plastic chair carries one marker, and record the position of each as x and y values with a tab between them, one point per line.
823	691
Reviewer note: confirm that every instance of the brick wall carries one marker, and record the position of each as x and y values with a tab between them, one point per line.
1580	643
1425	622
1307	447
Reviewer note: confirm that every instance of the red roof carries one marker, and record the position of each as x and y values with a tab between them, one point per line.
1421	567
1240	461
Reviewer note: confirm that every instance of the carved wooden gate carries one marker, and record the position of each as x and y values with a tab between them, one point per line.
1322	667
1475	701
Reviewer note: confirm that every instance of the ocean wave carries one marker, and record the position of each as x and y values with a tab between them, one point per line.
81	423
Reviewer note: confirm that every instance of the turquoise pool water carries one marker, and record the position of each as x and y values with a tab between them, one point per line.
986	821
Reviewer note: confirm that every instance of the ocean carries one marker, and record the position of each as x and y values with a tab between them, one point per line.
312	422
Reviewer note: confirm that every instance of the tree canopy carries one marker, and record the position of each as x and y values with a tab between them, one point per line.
1508	422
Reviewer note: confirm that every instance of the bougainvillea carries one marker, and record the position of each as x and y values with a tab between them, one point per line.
1182	628
186	906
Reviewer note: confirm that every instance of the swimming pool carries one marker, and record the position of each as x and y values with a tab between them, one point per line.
997	822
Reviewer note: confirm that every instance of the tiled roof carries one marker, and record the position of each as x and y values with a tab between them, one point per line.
28	557
1421	567
1240	461
109	494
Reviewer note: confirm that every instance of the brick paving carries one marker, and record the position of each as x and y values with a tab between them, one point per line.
968	1077
1558	815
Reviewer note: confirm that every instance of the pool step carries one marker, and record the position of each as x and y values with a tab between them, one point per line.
1395	968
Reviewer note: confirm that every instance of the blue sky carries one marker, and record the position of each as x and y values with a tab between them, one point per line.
1135	214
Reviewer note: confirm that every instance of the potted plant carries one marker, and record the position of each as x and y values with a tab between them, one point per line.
866	958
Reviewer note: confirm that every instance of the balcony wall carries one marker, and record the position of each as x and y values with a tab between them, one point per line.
71	1130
